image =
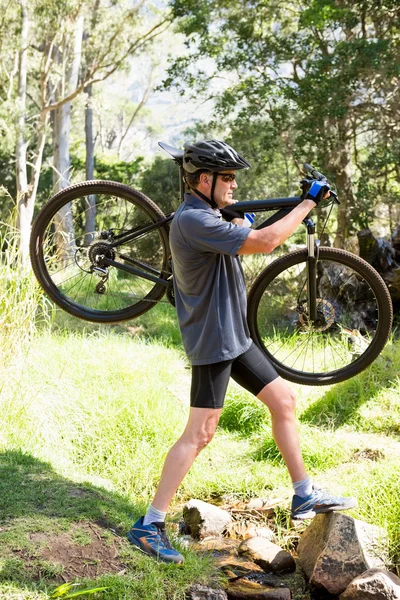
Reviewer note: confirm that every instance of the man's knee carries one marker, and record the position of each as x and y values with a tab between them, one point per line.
287	406
201	428
203	439
279	398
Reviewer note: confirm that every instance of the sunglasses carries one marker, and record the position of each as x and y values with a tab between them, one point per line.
227	177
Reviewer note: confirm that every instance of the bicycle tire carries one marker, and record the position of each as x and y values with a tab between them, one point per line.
271	289
118	296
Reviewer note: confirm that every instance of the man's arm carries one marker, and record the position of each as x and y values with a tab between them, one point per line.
267	239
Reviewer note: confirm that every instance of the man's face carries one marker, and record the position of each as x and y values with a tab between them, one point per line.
224	188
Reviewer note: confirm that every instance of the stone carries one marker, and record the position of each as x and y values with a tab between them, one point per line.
253	531
336	548
250	590
267	555
374	584
204	519
215	544
203	592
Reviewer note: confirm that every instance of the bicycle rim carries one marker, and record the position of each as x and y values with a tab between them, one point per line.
354	316
72	234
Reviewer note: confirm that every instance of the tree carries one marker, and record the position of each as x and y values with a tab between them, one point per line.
55	75
320	73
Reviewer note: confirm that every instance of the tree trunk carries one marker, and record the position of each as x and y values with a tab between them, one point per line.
65	238
62	116
25	209
342	165
91	209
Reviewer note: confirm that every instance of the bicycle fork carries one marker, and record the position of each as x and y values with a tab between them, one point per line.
312	259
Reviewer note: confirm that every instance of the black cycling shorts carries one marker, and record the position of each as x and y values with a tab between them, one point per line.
252	370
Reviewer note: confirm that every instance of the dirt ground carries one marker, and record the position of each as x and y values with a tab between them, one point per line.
86	551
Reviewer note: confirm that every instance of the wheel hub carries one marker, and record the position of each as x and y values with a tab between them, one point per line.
325	316
98	251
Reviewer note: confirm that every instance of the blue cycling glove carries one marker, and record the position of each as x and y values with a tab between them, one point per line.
314	190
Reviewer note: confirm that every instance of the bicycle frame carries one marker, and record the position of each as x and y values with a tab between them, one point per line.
282	205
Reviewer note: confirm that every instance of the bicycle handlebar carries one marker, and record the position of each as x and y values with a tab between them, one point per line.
310	170
314	173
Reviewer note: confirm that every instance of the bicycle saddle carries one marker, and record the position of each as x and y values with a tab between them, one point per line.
176	154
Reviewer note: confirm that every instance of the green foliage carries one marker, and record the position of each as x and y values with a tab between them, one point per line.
160	182
242	413
69	590
320	452
313	82
368	402
23	304
110	170
107	430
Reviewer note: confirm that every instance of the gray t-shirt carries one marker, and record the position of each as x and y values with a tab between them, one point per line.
209	283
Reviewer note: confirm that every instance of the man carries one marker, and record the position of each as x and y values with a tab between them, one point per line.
210	298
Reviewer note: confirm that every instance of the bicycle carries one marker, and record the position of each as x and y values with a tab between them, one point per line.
100	251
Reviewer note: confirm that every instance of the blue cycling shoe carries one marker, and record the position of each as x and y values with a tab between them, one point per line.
152	539
319	502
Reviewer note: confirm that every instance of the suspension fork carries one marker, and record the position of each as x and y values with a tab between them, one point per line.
312	259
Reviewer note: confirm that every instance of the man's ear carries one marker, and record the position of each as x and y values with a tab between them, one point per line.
205	179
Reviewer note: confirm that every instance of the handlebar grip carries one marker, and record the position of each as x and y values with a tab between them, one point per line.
313	172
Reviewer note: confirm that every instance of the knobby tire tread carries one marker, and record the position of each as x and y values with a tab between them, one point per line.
371	277
53	205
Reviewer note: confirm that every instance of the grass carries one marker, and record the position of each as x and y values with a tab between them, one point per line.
88	413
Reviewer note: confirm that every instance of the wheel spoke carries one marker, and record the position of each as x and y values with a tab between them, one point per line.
349	316
71	245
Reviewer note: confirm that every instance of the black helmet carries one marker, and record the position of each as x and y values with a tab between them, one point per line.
212	155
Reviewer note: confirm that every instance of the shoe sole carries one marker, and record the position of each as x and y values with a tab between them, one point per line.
312	513
137	543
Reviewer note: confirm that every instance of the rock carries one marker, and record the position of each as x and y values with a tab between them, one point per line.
264	532
267	555
216	544
374	584
336	548
250	590
205	519
256	503
203	592
237	566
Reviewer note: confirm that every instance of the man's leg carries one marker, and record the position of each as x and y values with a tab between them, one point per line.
307	501
148	533
254	372
281	401
198	432
209	383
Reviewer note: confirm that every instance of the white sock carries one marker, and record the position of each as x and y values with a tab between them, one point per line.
153	516
303	488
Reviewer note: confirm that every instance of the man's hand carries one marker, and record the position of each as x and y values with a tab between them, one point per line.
230	214
315	190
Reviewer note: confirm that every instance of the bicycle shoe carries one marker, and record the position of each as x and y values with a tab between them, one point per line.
152	539
319	501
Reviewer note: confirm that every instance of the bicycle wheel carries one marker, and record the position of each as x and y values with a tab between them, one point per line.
72	234
354	317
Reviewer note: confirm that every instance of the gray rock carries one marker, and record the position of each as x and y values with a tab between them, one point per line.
267	555
253	531
203	519
203	592
249	590
336	548
374	584
220	545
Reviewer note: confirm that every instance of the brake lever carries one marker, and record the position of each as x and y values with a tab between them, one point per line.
320	177
335	196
